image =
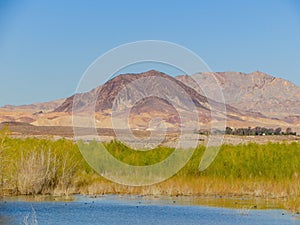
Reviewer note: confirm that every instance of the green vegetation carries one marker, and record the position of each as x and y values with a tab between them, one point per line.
38	166
258	131
137	158
43	166
272	161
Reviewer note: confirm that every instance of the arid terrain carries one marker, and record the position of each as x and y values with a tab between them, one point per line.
251	100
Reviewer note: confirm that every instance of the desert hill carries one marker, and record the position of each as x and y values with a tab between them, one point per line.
255	92
254	99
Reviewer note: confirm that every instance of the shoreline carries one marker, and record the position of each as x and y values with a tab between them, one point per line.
218	198
231	202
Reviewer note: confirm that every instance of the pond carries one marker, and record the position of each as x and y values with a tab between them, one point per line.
114	209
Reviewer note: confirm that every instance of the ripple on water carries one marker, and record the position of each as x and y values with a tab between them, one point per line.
113	209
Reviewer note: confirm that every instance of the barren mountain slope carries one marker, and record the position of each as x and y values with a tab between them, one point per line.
256	92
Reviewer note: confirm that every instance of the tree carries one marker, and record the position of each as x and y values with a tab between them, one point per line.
288	131
229	130
277	131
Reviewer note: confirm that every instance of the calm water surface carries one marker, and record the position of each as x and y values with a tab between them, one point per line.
135	210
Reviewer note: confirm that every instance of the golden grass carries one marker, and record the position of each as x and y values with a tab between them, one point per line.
269	171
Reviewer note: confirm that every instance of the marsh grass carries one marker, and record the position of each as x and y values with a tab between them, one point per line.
43	166
39	166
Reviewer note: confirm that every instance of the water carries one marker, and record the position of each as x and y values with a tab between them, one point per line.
134	210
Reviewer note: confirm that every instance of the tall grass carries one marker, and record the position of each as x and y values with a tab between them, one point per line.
271	161
45	166
38	166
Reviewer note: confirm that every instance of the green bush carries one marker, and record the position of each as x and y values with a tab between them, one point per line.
38	166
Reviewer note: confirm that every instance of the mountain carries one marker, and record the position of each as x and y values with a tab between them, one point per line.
31	113
34	108
255	92
153	82
171	96
145	100
145	95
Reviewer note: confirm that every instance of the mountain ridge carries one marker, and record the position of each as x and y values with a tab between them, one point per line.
249	99
255	92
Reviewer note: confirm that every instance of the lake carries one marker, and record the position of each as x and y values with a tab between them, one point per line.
114	209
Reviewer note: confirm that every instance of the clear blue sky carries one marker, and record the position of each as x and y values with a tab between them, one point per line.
45	46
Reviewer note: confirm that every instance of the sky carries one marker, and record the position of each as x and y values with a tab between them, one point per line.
45	46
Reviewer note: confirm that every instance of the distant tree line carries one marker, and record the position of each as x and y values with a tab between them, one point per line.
258	131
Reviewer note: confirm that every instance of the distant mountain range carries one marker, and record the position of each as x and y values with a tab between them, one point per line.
254	99
34	108
255	92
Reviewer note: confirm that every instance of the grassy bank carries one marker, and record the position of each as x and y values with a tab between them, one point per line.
43	166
